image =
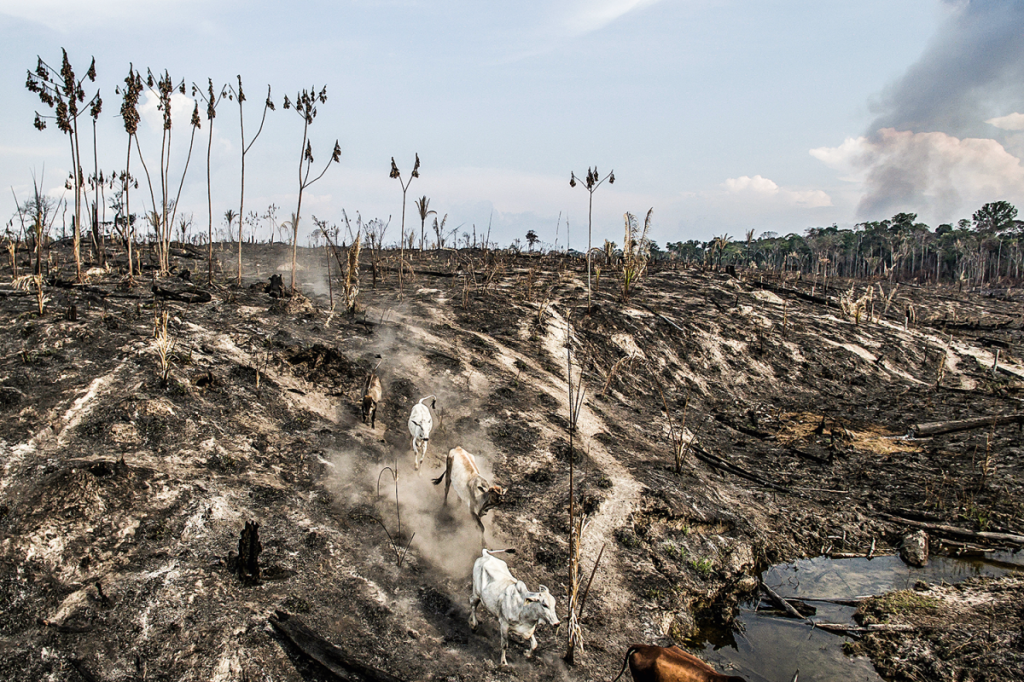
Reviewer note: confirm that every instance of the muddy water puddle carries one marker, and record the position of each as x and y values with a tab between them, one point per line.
769	648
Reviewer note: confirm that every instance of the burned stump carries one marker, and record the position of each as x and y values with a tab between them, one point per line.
247	564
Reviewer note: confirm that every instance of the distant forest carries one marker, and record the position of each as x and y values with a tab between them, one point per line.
985	249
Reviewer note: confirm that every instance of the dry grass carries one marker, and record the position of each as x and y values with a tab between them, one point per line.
801	426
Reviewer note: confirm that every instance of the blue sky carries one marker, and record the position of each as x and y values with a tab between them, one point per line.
722	115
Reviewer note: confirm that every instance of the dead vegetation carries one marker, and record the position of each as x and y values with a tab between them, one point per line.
715	425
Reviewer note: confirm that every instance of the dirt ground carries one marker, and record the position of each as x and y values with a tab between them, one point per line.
970	631
123	495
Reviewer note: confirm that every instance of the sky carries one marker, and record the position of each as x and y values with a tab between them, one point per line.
722	115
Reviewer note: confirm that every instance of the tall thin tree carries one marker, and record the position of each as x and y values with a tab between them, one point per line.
305	106
130	116
239	96
62	91
163	88
212	99
397	174
593	181
423	208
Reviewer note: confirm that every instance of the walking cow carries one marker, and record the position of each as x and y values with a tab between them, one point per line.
517	609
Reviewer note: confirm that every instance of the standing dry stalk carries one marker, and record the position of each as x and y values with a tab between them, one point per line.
942	369
636	252
26	282
677	434
164	345
611	374
574	631
352	275
576	525
261	368
239	96
330	284
542	309
11	251
40	298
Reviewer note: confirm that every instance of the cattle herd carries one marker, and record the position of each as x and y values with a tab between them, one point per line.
518	609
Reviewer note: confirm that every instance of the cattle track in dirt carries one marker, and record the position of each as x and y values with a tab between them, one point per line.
622	497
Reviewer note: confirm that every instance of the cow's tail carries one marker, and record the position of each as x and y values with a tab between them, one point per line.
629	652
447	472
507	550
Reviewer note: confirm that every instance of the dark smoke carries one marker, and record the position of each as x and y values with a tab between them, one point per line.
972	71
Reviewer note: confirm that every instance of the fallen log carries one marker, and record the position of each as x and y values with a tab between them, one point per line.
1006	538
852	601
840	628
802	295
937	428
781	603
193	296
718	462
325	653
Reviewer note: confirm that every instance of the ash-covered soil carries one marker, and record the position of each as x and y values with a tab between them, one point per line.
970	631
123	496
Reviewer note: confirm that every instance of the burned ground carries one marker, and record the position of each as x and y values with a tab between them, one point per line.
122	496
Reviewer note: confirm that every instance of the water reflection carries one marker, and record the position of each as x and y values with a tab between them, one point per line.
772	649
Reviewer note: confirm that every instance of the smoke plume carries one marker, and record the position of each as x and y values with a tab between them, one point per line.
932	127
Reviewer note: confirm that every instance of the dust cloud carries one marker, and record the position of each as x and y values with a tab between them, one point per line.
445	536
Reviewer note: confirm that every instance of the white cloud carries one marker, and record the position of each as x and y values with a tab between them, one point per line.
756	184
933	173
1012	121
596	14
763	188
69	15
181	111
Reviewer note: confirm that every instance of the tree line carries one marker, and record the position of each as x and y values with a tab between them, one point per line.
986	249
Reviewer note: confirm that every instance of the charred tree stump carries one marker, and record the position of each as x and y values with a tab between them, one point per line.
247	565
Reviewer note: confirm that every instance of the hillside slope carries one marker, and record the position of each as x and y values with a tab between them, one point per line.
122	497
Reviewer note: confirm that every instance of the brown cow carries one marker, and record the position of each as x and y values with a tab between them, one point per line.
372	392
669	664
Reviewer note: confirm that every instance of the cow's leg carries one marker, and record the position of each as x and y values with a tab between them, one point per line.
421	453
533	646
504	641
373	417
474	602
480	525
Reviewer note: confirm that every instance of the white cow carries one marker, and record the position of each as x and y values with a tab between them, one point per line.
420	423
516	608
